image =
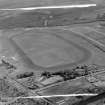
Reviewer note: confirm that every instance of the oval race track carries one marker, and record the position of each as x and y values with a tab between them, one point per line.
30	61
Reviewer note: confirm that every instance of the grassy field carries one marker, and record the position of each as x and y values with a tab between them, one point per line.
47	50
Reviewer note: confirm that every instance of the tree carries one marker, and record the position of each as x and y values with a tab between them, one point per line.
46	74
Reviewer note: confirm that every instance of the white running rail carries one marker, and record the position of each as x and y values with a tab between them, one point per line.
49	96
54	7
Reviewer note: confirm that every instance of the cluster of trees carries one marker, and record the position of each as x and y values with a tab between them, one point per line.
24	75
7	65
68	74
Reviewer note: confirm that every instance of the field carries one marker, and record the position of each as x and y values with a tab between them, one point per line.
50	48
